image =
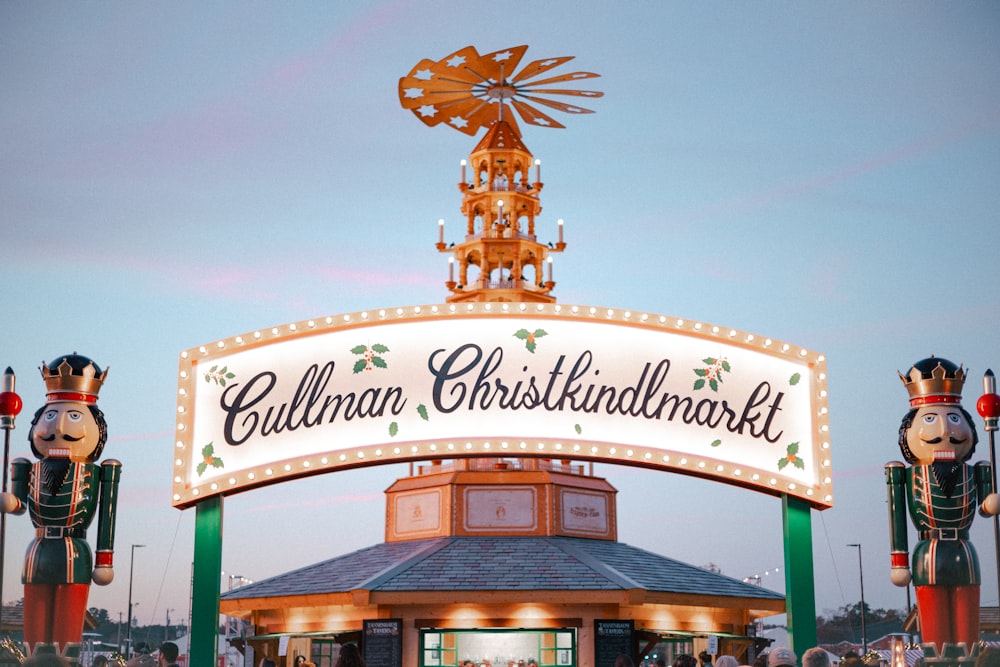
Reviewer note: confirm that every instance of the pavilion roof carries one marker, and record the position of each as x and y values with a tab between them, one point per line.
501	564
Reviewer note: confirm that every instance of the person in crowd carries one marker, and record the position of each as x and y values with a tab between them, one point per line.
100	661
267	662
168	654
705	659
850	659
141	657
46	660
988	657
350	656
726	661
815	657
782	657
623	661
685	660
760	660
661	662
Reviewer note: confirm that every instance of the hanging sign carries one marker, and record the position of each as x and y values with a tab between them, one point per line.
504	380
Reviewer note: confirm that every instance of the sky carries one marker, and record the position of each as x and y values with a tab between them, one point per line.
173	173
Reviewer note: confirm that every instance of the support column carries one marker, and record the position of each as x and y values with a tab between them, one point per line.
800	591
204	644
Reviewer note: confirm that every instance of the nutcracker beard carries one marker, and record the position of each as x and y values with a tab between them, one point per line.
948	614
54	614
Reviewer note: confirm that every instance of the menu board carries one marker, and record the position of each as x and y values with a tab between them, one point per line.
383	642
611	639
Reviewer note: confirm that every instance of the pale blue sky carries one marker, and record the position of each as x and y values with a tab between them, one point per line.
177	172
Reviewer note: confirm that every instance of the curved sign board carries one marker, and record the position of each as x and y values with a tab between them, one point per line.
502	379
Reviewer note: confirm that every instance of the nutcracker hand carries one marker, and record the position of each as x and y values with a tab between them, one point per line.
991	505
900	576
103	575
9	502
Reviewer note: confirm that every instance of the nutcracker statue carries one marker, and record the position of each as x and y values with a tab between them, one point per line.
63	492
937	437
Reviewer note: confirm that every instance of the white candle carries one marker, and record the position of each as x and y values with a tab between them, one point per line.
463	171
550	269
560	230
441	230
451	269
500	211
538	171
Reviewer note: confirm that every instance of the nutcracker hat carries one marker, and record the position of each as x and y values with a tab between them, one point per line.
72	377
933	381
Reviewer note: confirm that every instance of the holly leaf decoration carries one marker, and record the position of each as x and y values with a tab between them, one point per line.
219	375
578	429
711	375
529	337
393	429
422	411
716	443
791	456
369	360
794	380
208	459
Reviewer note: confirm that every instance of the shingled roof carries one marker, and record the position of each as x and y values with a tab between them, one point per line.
500	564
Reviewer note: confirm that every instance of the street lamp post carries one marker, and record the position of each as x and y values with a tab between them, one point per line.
861	572
128	626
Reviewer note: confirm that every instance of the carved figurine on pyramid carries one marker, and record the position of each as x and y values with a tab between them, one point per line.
937	437
63	492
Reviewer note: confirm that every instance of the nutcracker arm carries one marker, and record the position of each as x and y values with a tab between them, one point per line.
104	572
895	479
989	503
111	472
14	501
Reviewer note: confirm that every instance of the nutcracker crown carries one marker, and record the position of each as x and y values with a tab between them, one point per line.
73	377
934	380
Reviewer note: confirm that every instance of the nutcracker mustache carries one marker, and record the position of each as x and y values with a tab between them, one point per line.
65	436
953	441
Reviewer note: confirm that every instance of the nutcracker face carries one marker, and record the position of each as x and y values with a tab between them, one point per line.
940	433
66	430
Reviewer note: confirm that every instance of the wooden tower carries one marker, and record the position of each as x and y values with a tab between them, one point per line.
500	257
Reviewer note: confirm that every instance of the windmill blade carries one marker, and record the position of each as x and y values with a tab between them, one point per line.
556	104
561	91
573	76
464	65
539	66
504	61
533	116
435	98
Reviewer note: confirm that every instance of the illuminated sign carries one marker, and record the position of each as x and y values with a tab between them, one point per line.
501	379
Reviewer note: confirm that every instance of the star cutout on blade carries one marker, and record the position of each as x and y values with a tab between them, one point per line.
471	90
